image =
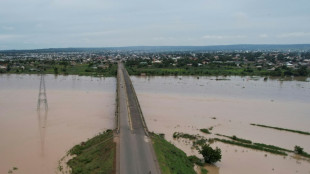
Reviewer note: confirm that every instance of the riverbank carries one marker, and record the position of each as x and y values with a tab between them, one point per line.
170	158
96	155
108	70
217	70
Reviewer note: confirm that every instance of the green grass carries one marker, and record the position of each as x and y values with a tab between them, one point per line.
282	129
171	159
235	138
95	156
195	160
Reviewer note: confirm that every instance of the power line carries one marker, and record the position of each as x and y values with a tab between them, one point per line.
42	99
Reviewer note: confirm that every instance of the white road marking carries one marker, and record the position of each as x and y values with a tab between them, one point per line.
146	139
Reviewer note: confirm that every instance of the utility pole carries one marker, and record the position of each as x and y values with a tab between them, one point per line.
42	99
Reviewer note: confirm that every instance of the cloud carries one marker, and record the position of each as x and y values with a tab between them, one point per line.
8	28
241	16
294	34
5	37
162	38
220	37
263	36
68	23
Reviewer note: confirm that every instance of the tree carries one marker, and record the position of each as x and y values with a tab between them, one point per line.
302	71
298	150
210	155
55	70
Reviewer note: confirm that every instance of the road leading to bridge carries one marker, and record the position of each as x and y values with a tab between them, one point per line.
136	151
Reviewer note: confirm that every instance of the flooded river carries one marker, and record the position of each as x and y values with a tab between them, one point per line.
187	104
34	142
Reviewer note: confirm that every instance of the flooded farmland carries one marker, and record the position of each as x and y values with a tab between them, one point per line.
34	142
230	105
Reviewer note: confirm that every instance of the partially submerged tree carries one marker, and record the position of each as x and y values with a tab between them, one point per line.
210	155
298	150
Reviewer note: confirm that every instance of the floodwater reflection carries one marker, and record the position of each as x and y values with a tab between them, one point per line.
42	120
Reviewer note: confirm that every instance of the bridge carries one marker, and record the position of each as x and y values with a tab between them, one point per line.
135	153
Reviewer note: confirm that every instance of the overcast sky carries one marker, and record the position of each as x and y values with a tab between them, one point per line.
28	24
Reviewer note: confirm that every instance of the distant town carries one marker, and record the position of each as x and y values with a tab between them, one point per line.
243	60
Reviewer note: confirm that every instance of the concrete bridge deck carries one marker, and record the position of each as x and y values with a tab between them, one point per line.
136	153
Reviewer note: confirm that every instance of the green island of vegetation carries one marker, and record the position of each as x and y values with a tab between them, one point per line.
97	155
282	129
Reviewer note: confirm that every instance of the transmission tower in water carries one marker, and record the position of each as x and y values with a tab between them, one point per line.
42	99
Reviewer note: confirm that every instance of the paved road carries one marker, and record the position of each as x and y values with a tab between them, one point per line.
136	151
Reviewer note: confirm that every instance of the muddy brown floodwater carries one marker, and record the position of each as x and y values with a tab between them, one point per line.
187	104
34	142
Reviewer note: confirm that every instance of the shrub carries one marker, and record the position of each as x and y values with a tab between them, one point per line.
195	160
205	131
210	155
298	150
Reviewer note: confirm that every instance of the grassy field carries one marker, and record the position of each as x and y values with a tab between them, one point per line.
95	156
171	159
282	129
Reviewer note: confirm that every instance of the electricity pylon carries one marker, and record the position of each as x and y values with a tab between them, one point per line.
42	94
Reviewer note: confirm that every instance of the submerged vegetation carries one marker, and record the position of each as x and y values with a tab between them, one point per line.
207	131
171	159
197	140
195	160
260	146
184	135
282	129
251	146
94	156
236	138
300	151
